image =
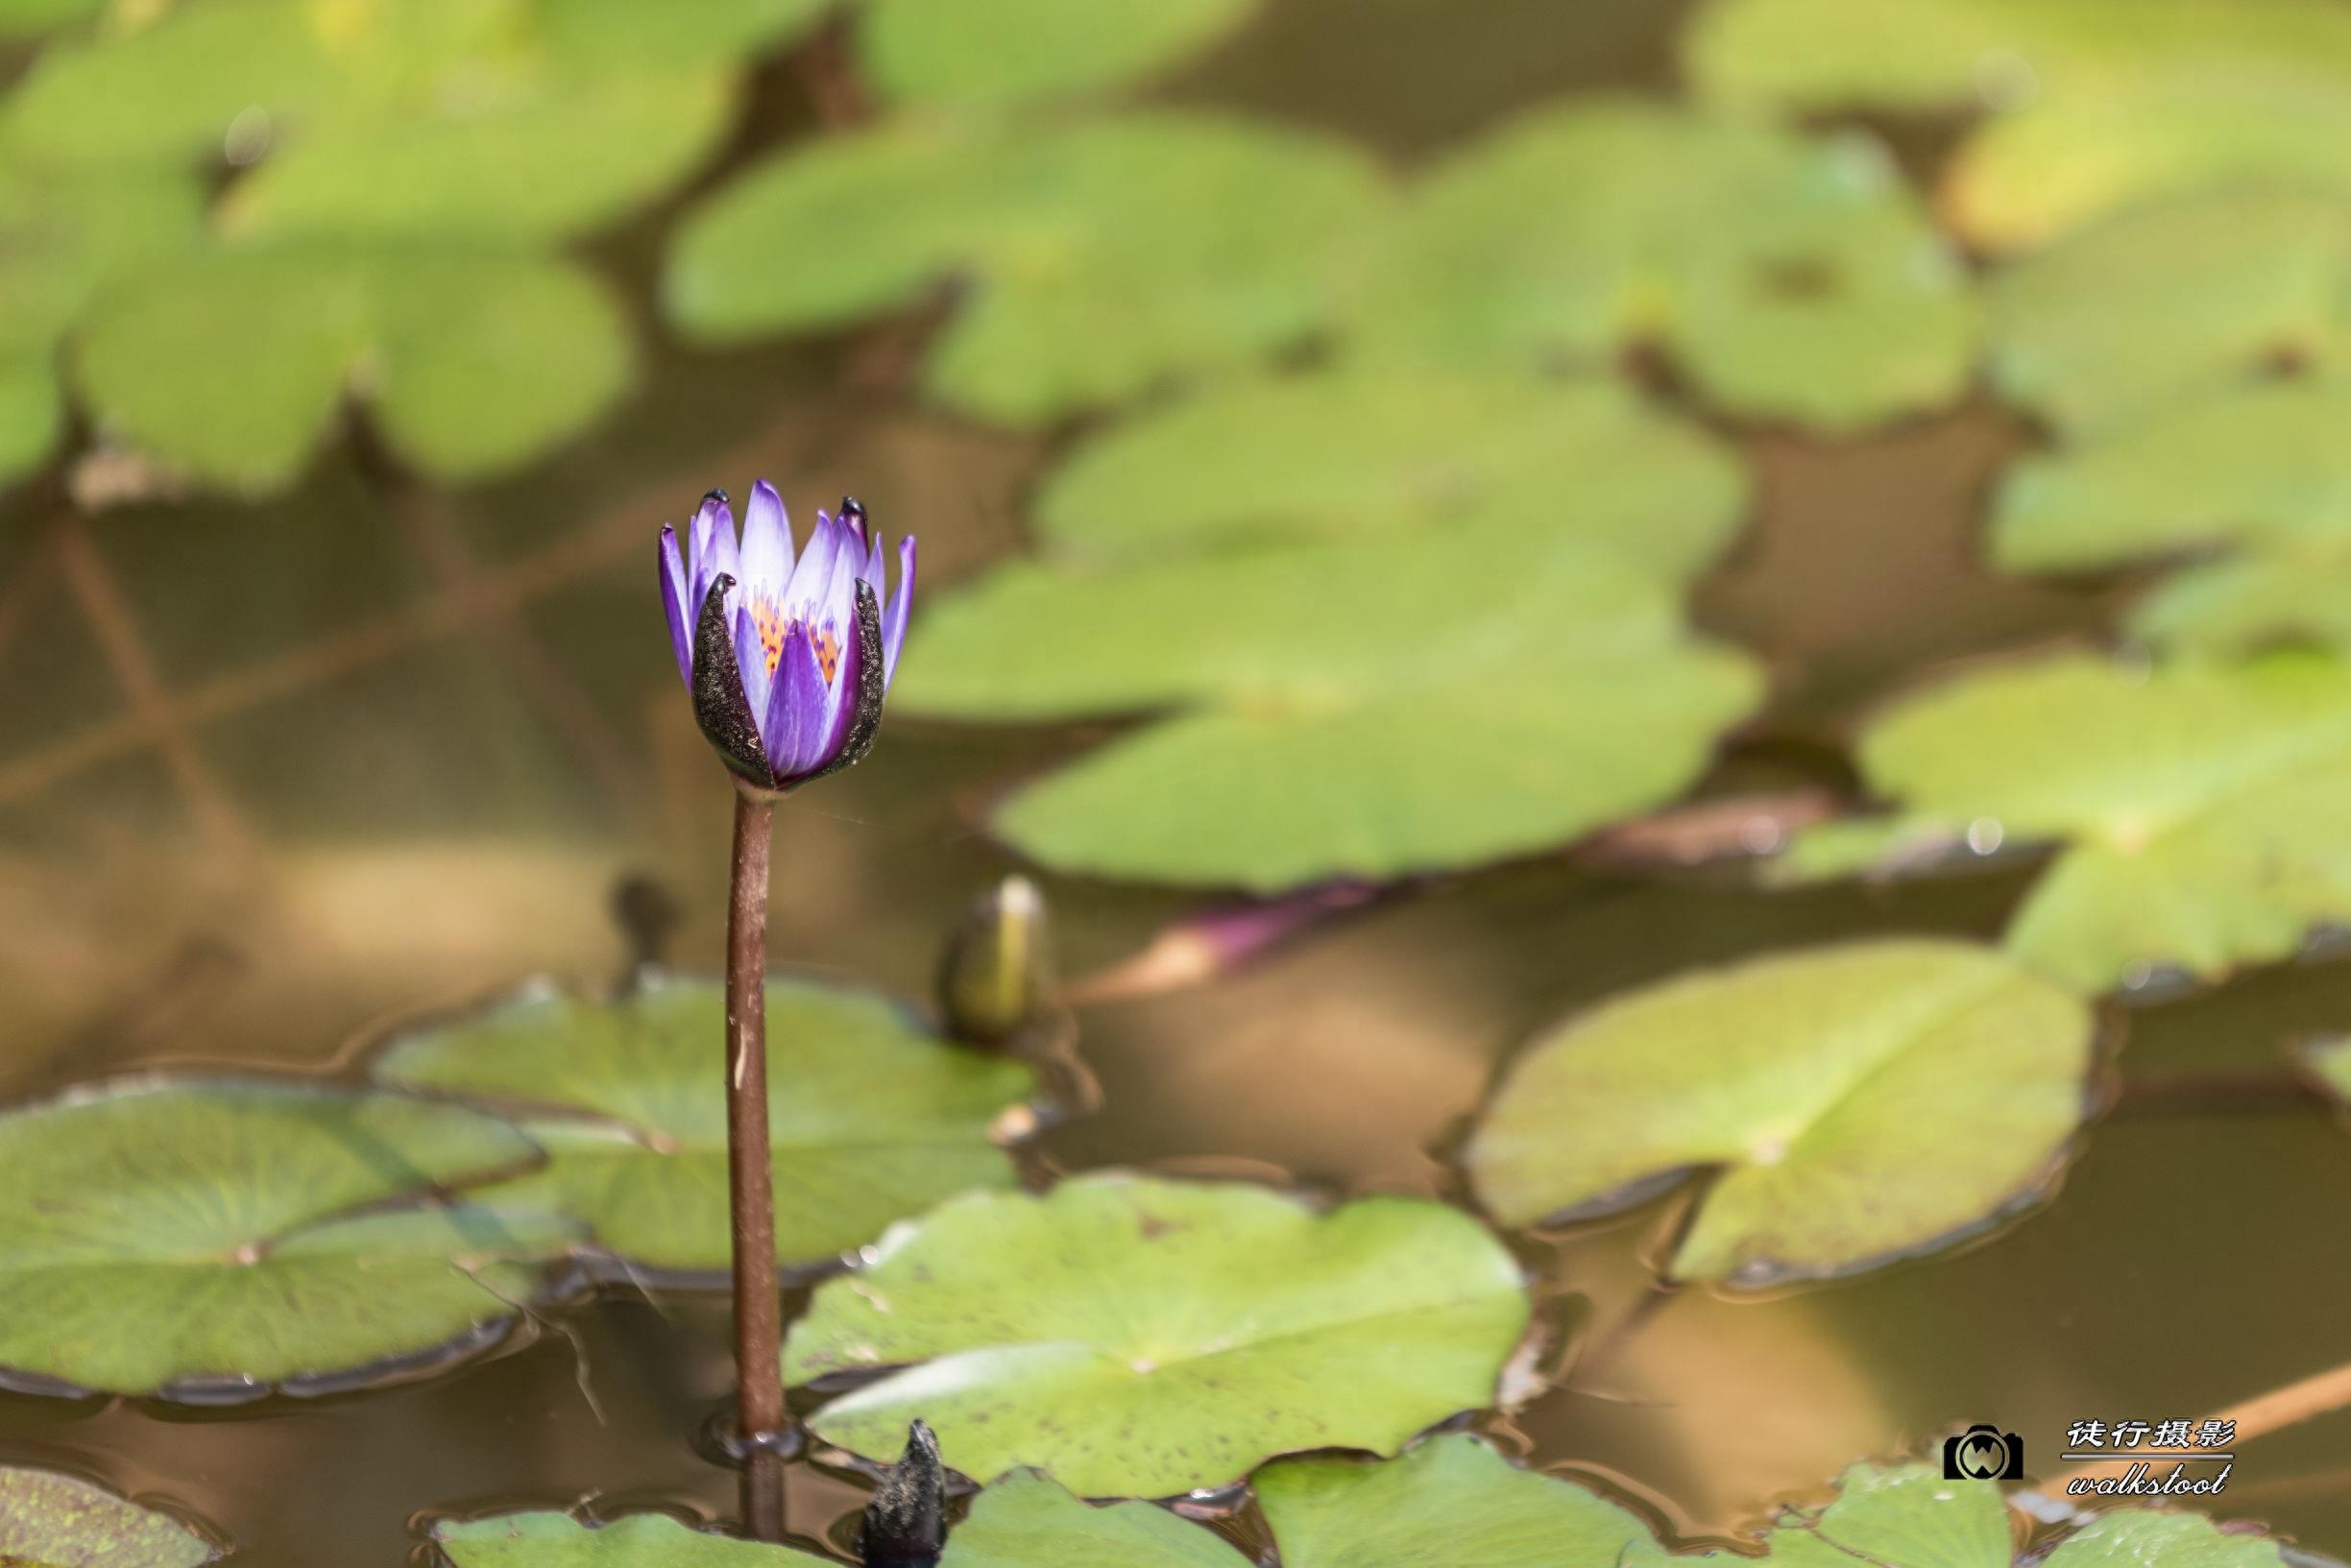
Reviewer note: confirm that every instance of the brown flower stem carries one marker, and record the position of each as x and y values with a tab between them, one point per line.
2322	1395
759	1307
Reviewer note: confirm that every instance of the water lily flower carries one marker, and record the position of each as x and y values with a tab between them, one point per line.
787	661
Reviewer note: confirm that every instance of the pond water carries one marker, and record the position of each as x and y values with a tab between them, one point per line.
272	777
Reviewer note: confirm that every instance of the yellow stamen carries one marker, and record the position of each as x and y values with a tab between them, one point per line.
769	622
828	653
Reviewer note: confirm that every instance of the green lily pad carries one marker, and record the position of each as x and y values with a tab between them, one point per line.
1787	275
1451	1502
1902	1516
1330	701
1103	256
1331	456
65	238
30	19
438	117
1831	56
1022	51
639	1540
628	33
2162	303
1857	1104
549	156
2131	1537
235	363
2193	804
52	1521
1118	1333
2257	466
2243	605
2025	179
1028	1520
872	1117
159	1233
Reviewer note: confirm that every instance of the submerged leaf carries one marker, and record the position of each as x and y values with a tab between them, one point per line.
235	363
54	1521
1028	1520
1102	256
2199	807
871	1116
156	1233
1339	455
1013	52
1788	276
1451	1502
1117	1331
1856	1104
638	1540
1367	710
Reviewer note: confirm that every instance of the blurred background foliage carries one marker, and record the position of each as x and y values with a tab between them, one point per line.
1354	441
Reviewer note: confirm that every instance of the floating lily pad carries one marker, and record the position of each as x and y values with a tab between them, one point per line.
2225	608
557	156
1449	1503
234	364
160	1233
2195	805
629	34
1028	1521
2158	304
65	236
2131	1537
1332	702
1118	1332
1102	256
1020	51
1362	452
434	116
2025	179
639	1540
1856	1104
1902	1516
1825	56
2103	104
52	1521
872	1117
2258	466
1788	276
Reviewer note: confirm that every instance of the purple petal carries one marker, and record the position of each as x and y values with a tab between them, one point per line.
812	580
709	546
754	615
797	708
674	602
767	544
853	517
894	617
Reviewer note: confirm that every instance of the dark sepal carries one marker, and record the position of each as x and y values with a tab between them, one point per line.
906	1526
719	703
865	722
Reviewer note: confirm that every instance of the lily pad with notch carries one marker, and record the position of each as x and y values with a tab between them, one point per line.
1357	452
1374	708
873	1117
1100	258
236	363
2193	807
211	1239
1853	1104
549	1540
49	1520
1787	275
1117	1331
